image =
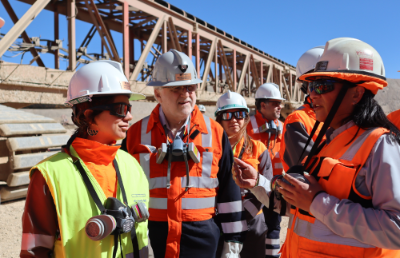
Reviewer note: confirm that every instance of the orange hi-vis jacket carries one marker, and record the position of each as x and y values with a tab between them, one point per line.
336	168
394	117
175	205
250	203
296	131
274	143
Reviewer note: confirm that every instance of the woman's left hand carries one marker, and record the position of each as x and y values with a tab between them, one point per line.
300	194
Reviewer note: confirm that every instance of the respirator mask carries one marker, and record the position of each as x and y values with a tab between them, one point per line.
178	151
270	128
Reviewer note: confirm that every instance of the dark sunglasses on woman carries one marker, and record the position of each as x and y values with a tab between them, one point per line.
237	114
119	109
322	86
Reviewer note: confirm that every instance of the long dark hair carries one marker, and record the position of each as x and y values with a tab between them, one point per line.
369	114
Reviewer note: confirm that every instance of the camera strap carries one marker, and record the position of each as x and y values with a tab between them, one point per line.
101	207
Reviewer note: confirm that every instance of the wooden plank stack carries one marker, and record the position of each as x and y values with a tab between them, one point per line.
26	139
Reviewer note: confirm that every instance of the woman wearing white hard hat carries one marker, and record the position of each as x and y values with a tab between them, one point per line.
348	202
90	199
233	114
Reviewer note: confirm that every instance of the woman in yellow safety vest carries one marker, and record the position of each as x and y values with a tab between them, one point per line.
90	199
232	113
344	201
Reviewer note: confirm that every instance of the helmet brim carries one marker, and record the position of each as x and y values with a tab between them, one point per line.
174	83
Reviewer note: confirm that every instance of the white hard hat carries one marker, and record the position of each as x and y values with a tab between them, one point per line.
2	22
308	60
231	100
269	91
202	108
174	68
99	78
351	60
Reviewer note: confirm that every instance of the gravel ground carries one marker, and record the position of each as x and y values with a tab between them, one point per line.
10	228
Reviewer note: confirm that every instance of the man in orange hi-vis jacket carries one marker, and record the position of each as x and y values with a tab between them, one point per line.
188	160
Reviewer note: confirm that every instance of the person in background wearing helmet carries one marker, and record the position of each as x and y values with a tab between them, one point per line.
202	108
232	113
347	203
188	160
65	211
265	127
299	124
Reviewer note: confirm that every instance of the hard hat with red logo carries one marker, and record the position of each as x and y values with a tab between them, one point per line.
173	69
351	60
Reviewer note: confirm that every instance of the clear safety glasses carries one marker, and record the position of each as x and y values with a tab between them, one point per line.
119	109
322	86
186	88
237	114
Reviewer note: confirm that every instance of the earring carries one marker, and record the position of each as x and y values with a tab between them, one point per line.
91	132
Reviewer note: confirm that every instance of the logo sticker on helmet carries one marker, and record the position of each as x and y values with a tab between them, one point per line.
183	76
321	66
366	61
125	85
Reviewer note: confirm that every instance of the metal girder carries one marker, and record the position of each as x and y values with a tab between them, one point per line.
254	72
173	35
24	35
21	25
208	65
125	44
147	48
102	30
243	74
288	93
71	16
225	65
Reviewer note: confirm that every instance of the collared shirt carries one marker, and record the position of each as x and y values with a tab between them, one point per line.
165	124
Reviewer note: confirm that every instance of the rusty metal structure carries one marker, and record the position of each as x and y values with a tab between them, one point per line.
221	60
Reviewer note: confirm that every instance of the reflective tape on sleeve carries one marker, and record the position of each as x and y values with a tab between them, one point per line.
158	182
234	227
30	241
207	138
230	207
254	124
198	203
158	203
145	163
145	137
269	241
250	207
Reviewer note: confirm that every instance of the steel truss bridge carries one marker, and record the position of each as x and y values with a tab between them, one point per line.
221	60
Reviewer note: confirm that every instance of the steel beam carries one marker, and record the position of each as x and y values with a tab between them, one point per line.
189	39
261	73
208	64
125	45
147	48
225	65
56	36
71	10
234	71
164	41
243	74
21	25
173	35
254	72
216	70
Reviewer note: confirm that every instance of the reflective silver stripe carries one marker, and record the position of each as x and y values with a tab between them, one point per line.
230	207
269	241
278	165
250	207
207	138
207	164
272	251
145	137
158	203
145	163
201	182
280	126
144	252
356	145
157	182
254	124
234	227
198	203
30	241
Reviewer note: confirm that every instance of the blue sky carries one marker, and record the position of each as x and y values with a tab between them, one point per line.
284	29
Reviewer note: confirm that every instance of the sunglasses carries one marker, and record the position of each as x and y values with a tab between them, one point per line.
119	109
322	86
189	88
237	114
